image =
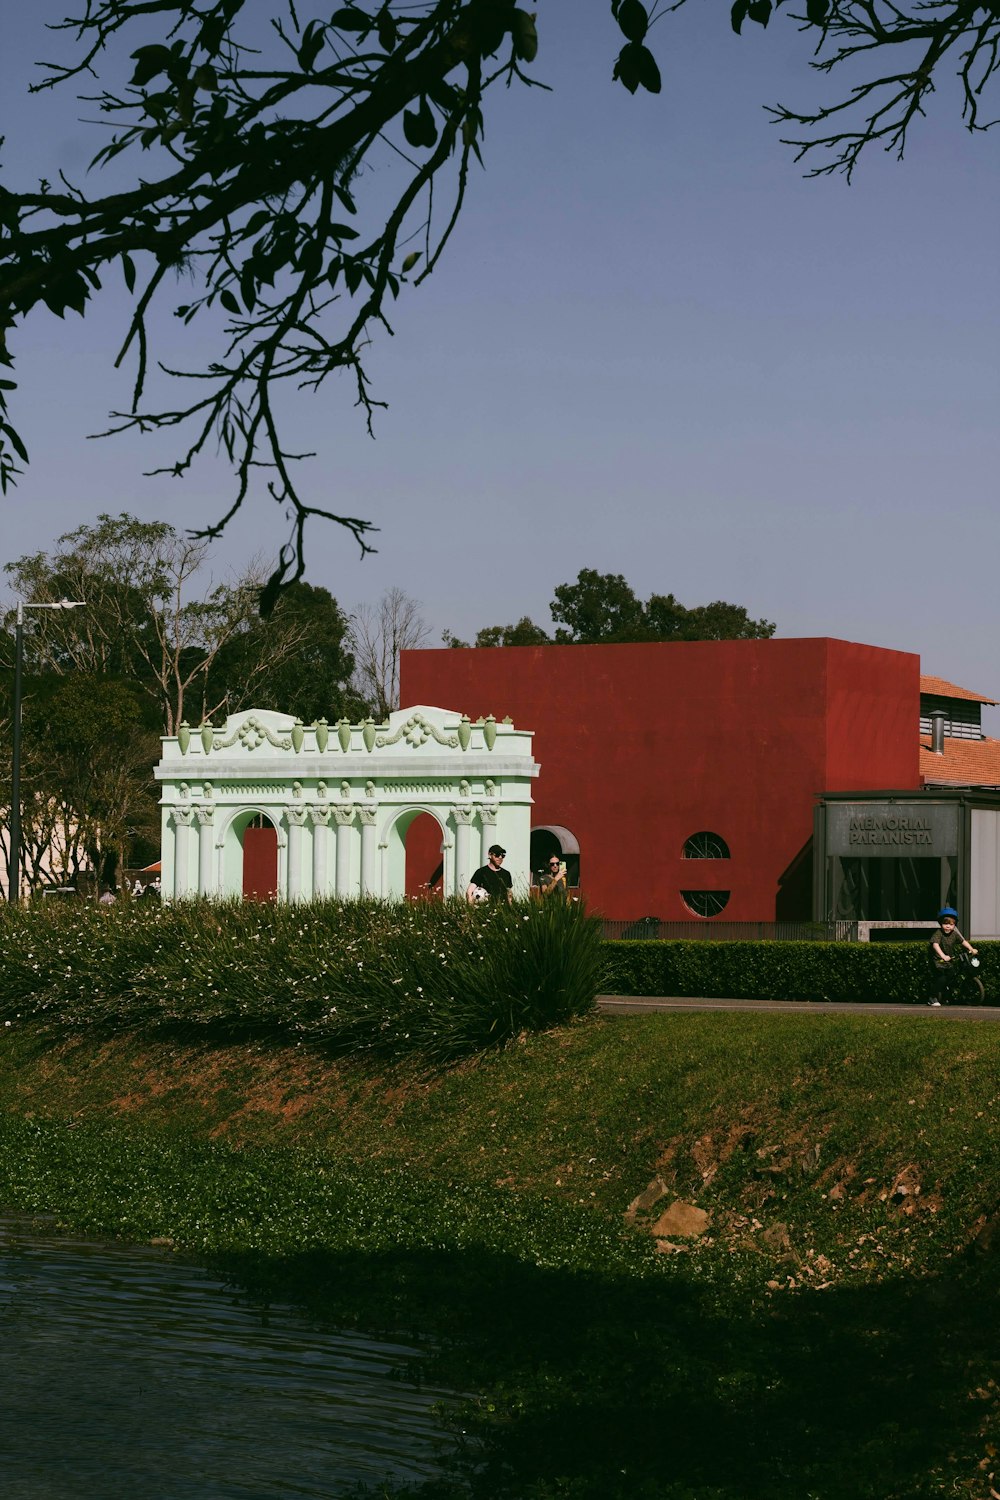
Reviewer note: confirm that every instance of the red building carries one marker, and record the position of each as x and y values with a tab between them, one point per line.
679	779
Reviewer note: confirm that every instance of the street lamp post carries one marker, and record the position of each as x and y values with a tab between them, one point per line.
14	862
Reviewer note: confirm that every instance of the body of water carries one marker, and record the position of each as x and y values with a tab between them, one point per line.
125	1371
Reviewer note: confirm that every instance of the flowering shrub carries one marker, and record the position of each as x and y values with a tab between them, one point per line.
437	979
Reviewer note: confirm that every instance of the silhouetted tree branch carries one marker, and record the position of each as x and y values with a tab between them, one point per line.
254	132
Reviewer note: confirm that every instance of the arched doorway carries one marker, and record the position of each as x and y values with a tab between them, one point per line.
260	859
413	850
424	857
554	839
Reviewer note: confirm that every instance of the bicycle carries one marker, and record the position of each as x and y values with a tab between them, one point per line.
959	982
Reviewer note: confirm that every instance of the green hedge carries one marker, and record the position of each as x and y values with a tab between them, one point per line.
776	971
435	979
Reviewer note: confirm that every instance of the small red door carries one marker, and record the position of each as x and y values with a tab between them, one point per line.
260	863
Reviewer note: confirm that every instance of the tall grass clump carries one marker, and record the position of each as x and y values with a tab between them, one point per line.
369	978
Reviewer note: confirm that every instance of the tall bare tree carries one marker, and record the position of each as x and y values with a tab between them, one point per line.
378	633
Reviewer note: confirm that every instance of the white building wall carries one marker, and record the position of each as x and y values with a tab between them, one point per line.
984	906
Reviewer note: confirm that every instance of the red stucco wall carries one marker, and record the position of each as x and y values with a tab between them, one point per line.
643	745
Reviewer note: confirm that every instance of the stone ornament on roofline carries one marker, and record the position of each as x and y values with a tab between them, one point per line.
251	735
417	731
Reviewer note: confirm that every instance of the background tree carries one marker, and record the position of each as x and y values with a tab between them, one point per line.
301	174
195	654
378	633
718	621
297	661
88	801
147	650
524	633
597	607
603	607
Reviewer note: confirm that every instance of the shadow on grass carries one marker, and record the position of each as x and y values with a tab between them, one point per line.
665	1387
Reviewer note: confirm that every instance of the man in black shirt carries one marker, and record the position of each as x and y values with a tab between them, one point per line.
491	878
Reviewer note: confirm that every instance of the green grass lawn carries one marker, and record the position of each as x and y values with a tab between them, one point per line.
830	1333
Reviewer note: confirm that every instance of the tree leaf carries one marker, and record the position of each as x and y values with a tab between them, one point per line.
633	20
149	62
15	442
248	286
524	34
228	301
128	267
270	592
649	72
419	127
312	45
627	67
636	66
351	19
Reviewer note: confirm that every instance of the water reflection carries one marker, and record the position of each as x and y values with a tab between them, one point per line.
126	1372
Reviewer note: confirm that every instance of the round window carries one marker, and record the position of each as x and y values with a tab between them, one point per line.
705	903
706	846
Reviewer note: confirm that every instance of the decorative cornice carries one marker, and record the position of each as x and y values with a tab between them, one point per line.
416	731
251	734
393	788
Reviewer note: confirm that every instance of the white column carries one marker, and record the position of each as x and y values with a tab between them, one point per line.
345	832
321	836
463	838
296	817
183	817
369	885
488	819
206	817
448	865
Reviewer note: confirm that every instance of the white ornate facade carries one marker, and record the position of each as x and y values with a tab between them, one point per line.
341	798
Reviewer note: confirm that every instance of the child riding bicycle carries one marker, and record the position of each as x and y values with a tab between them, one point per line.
944	945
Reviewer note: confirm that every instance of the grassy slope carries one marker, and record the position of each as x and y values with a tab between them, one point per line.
829	1335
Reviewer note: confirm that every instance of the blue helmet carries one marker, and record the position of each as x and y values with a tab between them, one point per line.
947	911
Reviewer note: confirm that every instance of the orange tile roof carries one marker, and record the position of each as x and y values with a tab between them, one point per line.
964	762
938	687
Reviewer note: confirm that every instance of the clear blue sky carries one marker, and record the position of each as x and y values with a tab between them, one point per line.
652	348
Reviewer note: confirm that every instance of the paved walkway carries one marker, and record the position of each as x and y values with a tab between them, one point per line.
638	1005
